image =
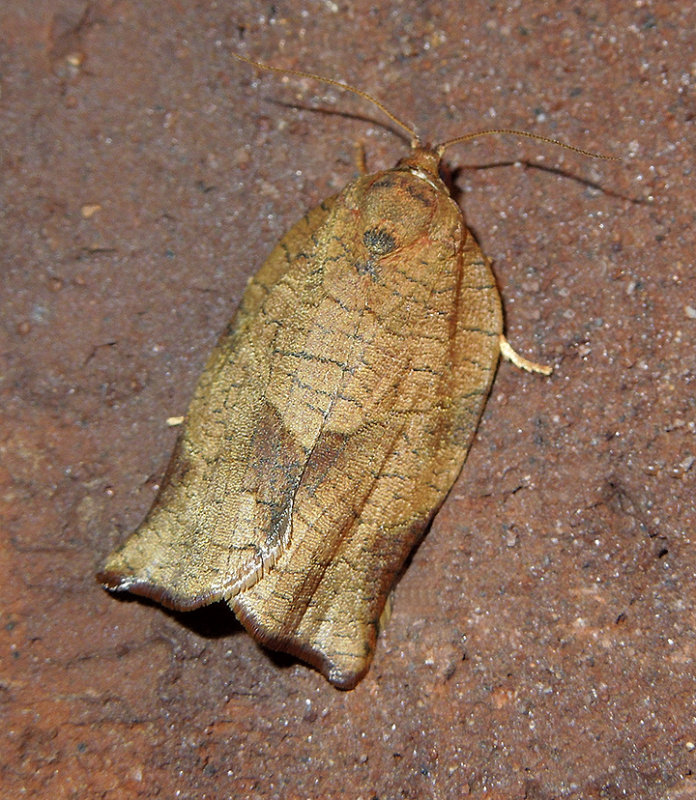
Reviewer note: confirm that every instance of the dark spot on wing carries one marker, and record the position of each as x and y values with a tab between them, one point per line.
378	242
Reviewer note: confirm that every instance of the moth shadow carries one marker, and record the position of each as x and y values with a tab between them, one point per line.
451	177
333	112
213	622
217	621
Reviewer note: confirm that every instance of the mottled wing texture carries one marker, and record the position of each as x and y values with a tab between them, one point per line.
222	507
329	424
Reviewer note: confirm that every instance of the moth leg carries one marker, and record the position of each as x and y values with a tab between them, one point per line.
385	616
519	361
360	159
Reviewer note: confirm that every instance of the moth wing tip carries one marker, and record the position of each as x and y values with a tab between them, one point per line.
343	679
115	581
111	580
343	670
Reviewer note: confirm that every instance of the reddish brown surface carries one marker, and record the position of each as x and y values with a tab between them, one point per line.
542	640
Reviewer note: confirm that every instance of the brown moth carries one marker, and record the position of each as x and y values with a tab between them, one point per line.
330	421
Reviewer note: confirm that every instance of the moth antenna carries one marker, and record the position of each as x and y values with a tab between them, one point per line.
440	149
298	73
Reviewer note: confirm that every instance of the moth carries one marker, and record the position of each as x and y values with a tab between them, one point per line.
331	419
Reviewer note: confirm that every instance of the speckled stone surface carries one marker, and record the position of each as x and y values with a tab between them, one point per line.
542	642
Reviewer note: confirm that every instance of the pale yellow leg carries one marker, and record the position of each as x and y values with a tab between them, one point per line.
360	161
509	354
385	616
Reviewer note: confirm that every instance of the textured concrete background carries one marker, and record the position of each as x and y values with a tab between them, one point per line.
542	641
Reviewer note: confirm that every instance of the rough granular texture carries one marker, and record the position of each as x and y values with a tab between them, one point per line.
542	642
